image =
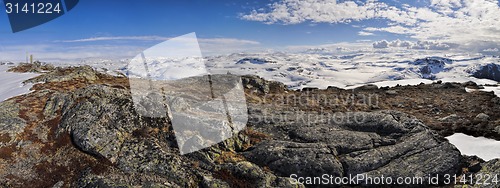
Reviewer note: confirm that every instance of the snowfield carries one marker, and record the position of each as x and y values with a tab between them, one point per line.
484	148
12	83
302	70
317	70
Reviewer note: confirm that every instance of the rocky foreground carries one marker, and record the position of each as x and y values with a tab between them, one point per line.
78	128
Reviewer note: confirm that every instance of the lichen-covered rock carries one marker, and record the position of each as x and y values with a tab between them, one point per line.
303	159
391	144
100	124
36	66
10	123
482	117
210	182
114	178
257	84
491	167
246	174
59	74
451	118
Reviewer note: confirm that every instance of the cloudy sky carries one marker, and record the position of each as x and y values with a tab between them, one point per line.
122	28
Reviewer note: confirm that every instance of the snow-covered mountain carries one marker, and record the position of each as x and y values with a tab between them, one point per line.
489	71
301	70
309	69
258	61
428	67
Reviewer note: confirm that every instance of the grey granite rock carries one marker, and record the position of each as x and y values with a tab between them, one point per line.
384	143
482	117
10	122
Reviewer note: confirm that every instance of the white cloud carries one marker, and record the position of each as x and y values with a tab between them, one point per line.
399	43
381	44
94	39
342	47
298	11
228	41
420	45
491	50
430	45
364	33
465	22
159	38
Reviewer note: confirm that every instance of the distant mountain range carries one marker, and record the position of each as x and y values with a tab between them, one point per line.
314	69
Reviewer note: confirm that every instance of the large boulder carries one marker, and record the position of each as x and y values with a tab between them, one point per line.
390	144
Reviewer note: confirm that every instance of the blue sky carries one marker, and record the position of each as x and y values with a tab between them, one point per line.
238	25
209	19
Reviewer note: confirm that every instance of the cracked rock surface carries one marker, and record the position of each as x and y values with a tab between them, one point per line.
386	143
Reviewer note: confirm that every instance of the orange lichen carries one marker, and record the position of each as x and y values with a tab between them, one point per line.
229	157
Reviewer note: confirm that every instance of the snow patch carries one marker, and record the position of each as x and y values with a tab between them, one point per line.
482	147
12	85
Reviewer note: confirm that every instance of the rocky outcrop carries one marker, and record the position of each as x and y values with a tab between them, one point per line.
430	66
491	167
481	173
255	61
90	135
386	143
79	128
84	73
10	122
489	71
258	85
482	117
36	66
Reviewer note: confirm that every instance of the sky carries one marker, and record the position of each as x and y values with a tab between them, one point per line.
124	28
